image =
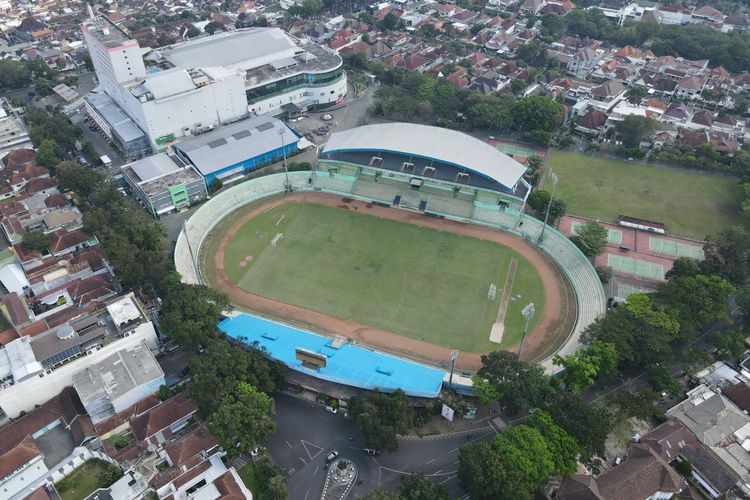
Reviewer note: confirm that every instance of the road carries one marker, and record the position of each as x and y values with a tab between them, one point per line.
306	433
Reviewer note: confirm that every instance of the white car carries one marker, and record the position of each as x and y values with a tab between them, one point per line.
332	456
331	409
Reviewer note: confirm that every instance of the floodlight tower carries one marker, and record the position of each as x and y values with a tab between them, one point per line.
528	313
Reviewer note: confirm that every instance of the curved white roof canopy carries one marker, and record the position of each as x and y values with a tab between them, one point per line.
441	144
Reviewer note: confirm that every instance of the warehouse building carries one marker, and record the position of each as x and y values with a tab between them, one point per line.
164	183
239	148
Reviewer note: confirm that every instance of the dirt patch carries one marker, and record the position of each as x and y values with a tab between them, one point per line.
549	331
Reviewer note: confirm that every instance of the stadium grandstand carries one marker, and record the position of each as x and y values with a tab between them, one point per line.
431	169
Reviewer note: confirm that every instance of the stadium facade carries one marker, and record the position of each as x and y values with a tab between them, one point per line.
202	84
437	170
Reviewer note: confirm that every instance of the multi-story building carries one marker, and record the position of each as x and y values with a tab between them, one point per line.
202	84
13	135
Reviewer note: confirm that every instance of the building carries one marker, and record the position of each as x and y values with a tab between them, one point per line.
164	183
238	148
118	382
278	68
427	161
13	134
203	84
35	368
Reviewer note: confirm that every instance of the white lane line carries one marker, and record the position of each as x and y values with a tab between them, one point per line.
429	461
447	479
456	462
316	471
475	439
408	473
307	493
287	443
438	472
303	460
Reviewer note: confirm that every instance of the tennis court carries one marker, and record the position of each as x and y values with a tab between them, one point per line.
614	236
512	150
674	248
622	264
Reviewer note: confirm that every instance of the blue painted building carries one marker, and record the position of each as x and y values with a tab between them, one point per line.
346	364
238	148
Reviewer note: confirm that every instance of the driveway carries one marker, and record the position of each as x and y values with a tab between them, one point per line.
306	433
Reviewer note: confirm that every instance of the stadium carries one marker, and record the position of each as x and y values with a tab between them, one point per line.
405	244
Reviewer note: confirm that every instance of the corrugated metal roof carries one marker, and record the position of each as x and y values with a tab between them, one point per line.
423	141
169	82
236	143
151	167
247	48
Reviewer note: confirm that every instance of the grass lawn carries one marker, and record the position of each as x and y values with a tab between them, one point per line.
689	203
415	281
81	482
253	481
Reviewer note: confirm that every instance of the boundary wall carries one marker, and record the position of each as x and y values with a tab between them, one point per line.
589	292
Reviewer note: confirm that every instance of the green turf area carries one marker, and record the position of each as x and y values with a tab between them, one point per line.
253	480
415	281
613	235
689	203
83	481
635	266
674	248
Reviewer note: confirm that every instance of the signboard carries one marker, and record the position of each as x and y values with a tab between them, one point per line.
447	413
310	359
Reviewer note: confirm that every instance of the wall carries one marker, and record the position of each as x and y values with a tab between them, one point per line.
36	390
323	96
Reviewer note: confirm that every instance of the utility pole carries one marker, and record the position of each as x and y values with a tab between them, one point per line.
528	313
287	185
554	179
454	356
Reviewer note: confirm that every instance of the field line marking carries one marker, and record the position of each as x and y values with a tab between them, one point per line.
496	334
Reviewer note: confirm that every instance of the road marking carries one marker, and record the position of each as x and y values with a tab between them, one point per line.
303	460
475	439
305	445
408	473
307	493
287	443
429	461
438	472
316	471
446	479
456	462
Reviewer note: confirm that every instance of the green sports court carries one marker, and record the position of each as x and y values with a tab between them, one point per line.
674	248
513	150
638	267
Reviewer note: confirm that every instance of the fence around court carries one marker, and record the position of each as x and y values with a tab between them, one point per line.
589	293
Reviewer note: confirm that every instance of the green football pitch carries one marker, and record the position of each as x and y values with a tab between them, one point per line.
418	282
690	203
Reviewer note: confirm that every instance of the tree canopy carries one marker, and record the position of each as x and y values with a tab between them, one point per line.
244	420
35	240
591	238
382	416
190	313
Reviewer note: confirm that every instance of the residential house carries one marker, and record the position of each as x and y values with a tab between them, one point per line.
592	121
708	14
690	87
584	62
158	425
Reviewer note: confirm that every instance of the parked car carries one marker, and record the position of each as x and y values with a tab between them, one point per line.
331	409
332	456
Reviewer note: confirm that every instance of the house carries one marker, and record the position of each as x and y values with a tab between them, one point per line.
708	14
643	474
690	87
703	118
532	6
608	91
592	121
153	428
584	62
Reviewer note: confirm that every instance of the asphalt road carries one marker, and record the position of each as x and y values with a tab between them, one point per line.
306	433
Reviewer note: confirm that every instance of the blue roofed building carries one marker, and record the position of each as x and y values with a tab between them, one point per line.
238	148
341	362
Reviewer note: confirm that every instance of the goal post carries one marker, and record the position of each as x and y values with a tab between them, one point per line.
492	292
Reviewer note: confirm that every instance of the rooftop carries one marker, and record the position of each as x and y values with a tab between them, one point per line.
422	141
156	174
106	32
120	122
115	376
236	143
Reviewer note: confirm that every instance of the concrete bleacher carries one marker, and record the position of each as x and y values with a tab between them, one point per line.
590	297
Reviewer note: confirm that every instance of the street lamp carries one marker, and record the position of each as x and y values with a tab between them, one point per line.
287	185
528	313
454	356
554	179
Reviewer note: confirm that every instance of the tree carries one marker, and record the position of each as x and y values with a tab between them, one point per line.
480	471
538	200
380	493
557	209
728	254
421	487
222	365
633	129
537	113
636	93
582	369
382	417
589	426
731	344
661	379
215	186
515	384
276	487
243	421
391	21
192	32
190	313
696	300
73	176
591	238
47	154
563	447
35	240
213	27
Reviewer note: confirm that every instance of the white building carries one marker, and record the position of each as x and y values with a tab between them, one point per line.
203	83
118	382
34	369
13	134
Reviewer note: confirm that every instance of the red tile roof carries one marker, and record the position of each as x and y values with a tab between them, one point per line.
190	445
161	417
18	456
